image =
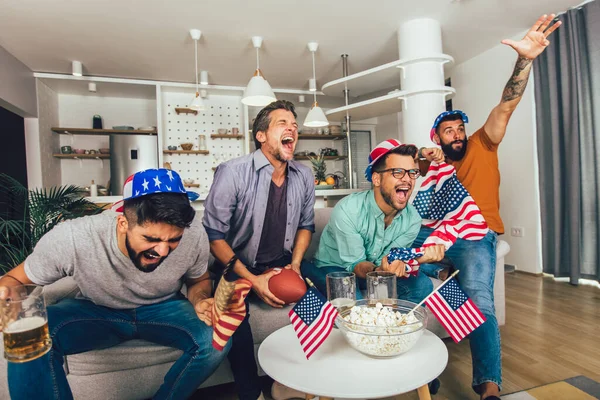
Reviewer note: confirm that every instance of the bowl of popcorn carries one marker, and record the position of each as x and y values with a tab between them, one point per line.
382	328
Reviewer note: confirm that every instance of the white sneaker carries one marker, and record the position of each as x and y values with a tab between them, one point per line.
282	392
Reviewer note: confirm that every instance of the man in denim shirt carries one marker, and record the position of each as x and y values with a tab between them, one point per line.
260	214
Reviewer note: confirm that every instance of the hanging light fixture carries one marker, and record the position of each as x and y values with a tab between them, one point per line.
316	117
258	92
197	104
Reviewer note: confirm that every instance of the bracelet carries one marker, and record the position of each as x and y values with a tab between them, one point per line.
420	153
231	262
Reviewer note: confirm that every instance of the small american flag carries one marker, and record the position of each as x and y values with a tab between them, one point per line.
229	309
312	319
455	311
447	207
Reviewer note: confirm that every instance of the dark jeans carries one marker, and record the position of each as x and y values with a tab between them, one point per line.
476	260
77	326
241	356
413	288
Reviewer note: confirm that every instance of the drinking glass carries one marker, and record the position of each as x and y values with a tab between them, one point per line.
341	289
24	322
381	285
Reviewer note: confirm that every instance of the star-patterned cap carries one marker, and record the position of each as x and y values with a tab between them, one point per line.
379	151
151	181
437	121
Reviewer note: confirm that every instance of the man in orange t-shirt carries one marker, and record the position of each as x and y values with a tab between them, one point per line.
476	163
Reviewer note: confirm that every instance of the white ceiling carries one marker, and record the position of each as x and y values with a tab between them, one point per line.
148	39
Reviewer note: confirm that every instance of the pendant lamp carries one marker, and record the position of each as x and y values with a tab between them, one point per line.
197	103
316	117
258	92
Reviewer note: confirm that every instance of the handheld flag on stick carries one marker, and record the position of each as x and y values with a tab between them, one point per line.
312	319
229	309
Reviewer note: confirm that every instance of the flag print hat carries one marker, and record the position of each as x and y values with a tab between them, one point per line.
379	151
439	118
151	181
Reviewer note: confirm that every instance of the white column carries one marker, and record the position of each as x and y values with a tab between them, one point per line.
416	39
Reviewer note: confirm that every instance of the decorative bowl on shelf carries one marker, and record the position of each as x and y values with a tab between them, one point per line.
104	151
79	151
187	146
322	187
123	128
364	329
222	131
146	128
188	181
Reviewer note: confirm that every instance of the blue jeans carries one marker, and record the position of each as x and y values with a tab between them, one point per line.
77	326
476	261
413	288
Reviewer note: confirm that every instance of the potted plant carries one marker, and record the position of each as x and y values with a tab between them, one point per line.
319	167
26	215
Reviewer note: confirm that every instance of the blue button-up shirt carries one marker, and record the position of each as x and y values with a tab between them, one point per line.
235	207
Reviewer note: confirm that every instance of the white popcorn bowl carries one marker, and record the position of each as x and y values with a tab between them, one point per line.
383	341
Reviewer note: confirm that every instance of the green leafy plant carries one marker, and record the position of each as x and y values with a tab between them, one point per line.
319	167
26	215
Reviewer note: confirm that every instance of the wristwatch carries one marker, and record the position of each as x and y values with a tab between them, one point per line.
420	153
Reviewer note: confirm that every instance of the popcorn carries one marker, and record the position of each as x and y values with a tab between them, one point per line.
380	331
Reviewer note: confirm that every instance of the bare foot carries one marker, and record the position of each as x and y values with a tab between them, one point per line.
443	274
489	389
282	392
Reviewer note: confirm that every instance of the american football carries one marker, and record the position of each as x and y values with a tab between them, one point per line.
287	285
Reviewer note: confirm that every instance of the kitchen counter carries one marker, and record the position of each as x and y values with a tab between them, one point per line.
324	198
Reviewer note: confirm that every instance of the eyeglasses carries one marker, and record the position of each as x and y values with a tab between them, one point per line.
399	173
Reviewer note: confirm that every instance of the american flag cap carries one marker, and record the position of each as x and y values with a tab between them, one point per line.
151	181
439	118
379	151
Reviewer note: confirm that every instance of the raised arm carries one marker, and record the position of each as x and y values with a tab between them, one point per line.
528	48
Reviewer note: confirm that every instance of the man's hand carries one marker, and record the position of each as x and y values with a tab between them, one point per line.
432	254
396	267
204	310
535	41
295	267
260	285
434	154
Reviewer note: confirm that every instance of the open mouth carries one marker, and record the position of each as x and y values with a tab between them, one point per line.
288	143
402	193
151	257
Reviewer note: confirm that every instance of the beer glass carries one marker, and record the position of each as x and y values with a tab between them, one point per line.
381	285
341	289
24	322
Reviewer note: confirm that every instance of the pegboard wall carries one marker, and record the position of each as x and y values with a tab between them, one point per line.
222	112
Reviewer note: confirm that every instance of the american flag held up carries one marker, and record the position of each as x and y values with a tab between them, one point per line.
455	310
312	319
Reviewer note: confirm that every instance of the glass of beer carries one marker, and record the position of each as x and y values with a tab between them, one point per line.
381	285
341	289
24	322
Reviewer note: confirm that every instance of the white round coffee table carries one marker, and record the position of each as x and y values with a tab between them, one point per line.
337	370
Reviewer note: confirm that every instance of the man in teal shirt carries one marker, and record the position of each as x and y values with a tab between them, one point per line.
365	226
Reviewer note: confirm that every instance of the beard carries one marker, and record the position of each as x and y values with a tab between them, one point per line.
388	198
455	155
136	258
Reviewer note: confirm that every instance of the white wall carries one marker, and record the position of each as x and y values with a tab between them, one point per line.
48	141
17	86
76	111
479	83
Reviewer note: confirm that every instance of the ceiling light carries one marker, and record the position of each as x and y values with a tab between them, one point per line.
258	92
316	117
77	68
204	77
197	103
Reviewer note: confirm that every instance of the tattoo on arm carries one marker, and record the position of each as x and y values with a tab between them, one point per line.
515	87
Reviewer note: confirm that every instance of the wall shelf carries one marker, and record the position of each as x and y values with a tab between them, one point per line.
226	136
185	110
84	131
83	156
380	77
191	185
185	152
315	136
325	158
383	105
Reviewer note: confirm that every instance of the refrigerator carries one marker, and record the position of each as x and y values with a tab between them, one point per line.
129	154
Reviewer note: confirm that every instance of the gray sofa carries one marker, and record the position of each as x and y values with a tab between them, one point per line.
135	369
